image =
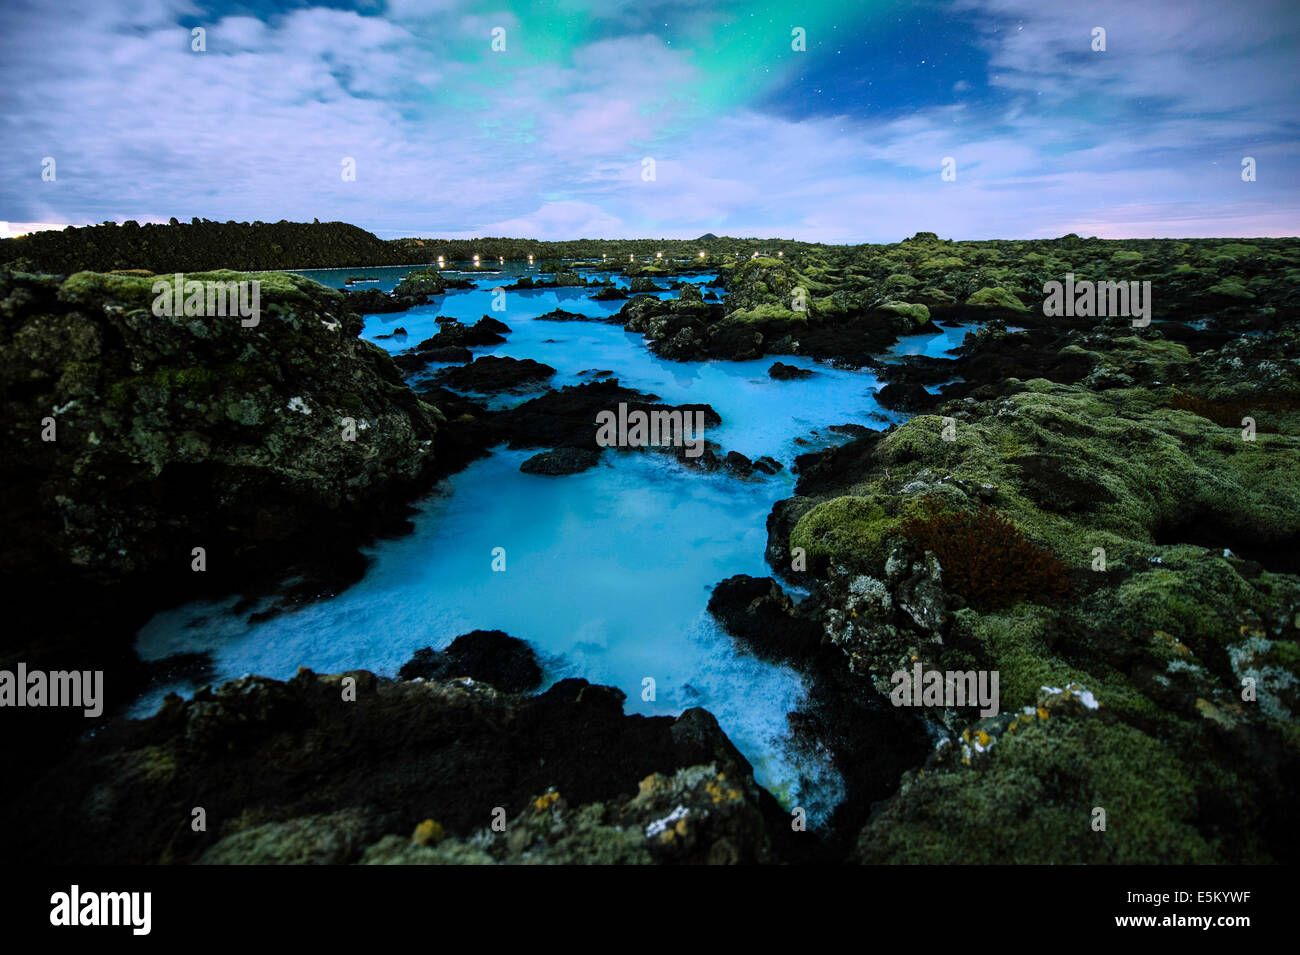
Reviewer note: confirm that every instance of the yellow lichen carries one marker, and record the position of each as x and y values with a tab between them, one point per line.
427	833
716	791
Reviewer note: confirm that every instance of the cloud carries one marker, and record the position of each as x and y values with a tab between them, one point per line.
558	220
449	138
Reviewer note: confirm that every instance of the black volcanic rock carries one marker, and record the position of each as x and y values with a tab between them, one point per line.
567	417
737	464
487	323
175	434
371	301
783	372
758	612
486	331
561	461
900	396
492	656
560	315
331	768
490	374
418	358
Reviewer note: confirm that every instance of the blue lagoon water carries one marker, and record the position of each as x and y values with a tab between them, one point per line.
608	572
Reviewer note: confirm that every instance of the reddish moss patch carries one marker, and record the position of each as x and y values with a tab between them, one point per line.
985	557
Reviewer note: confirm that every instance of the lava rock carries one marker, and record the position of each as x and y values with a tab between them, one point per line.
490	374
561	461
419	358
492	656
783	372
485	331
400	752
416	288
758	612
904	396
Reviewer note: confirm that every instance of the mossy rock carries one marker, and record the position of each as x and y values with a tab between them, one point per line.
1232	288
918	314
766	313
1034	802
854	531
996	296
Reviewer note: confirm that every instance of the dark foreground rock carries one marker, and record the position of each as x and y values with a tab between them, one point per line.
151	459
351	767
166	433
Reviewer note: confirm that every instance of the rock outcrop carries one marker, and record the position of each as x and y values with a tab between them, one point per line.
356	768
150	458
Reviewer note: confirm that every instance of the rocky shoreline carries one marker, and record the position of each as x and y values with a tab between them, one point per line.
964	539
351	767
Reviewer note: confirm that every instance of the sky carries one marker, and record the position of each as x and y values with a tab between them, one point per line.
657	118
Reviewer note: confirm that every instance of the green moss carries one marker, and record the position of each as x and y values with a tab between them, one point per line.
185	382
1015	643
919	314
943	262
1236	250
1034	803
1232	288
133	290
899	280
767	312
854	531
996	296
137	291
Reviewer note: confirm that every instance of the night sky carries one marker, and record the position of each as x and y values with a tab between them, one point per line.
841	142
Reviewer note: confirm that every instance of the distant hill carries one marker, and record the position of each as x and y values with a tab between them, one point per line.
198	246
201	245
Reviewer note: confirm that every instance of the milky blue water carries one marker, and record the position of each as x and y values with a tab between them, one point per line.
607	573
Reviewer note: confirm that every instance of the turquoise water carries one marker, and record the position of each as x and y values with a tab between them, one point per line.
607	573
